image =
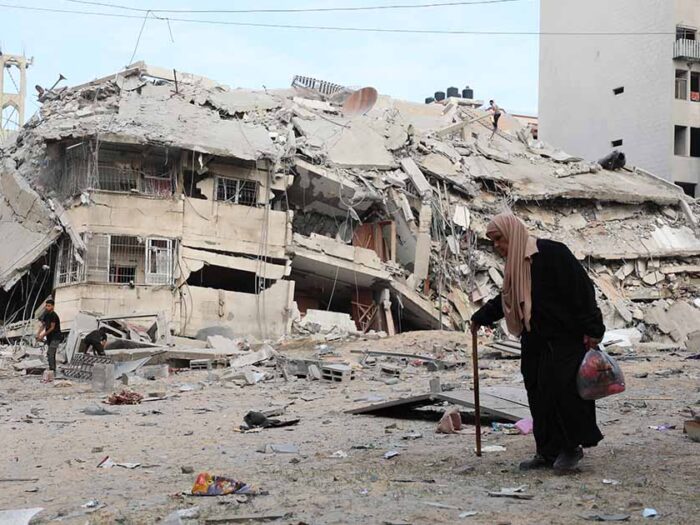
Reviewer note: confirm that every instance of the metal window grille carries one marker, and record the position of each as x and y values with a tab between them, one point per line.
322	86
237	191
126	260
68	268
159	261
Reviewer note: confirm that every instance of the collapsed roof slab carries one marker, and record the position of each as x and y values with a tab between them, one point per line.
196	259
536	181
348	143
418	310
241	100
27	228
155	115
333	260
327	191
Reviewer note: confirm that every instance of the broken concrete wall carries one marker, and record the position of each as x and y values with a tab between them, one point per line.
113	300
266	315
27	228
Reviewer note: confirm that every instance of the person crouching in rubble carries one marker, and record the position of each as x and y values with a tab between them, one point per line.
95	341
549	302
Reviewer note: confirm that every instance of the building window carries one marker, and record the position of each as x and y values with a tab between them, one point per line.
681	84
124	178
69	265
619	90
616	143
695	142
237	191
680	141
687	187
695	86
159	261
125	259
685	33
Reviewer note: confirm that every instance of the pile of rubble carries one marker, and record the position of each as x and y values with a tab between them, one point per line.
270	213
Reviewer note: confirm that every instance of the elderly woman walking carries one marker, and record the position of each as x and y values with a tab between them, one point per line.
549	302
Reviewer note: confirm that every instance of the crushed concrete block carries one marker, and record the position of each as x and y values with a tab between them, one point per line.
575	221
103	377
265	353
324	321
653	278
154	371
439	165
417	178
314	372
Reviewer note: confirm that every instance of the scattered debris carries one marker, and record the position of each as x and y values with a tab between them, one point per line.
209	485
649	513
125	397
512	492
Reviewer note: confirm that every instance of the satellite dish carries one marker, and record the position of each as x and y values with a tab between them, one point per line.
360	102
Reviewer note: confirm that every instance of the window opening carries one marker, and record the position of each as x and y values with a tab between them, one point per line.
687	187
695	142
685	33
68	268
236	191
159	261
695	86
616	143
126	256
619	90
680	141
681	84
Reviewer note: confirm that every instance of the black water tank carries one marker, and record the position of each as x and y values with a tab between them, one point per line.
468	93
439	95
453	92
429	100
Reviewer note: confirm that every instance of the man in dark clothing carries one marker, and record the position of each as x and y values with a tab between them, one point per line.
51	330
549	299
96	340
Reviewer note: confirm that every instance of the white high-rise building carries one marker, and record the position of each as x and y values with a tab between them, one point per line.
636	88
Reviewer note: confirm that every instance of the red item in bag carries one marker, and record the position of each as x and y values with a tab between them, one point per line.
598	376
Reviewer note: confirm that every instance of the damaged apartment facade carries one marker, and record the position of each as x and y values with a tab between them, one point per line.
252	213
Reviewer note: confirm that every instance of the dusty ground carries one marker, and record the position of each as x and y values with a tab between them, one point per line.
46	436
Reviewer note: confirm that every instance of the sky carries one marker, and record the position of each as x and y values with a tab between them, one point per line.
407	66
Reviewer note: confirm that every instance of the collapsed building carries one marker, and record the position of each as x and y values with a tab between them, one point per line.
262	213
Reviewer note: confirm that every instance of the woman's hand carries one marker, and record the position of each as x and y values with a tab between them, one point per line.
591	343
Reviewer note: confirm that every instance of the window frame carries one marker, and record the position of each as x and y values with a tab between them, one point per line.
222	182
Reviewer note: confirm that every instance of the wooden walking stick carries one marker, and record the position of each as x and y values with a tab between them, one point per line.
477	409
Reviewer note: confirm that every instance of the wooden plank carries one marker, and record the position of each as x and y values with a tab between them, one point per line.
421	399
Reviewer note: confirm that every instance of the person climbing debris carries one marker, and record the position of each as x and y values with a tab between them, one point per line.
496	116
50	332
548	301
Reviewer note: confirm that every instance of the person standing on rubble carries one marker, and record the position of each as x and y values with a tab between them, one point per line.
496	115
548	301
50	330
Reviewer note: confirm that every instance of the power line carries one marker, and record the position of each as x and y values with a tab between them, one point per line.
300	9
351	29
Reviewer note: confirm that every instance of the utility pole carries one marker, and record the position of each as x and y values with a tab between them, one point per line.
13	92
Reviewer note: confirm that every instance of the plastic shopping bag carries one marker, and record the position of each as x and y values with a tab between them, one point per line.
598	376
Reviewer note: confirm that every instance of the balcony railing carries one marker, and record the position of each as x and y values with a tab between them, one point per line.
687	49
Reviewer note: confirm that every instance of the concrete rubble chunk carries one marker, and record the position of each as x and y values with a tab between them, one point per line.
417	178
266	352
439	165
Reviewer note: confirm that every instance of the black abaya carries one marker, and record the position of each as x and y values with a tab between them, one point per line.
563	311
